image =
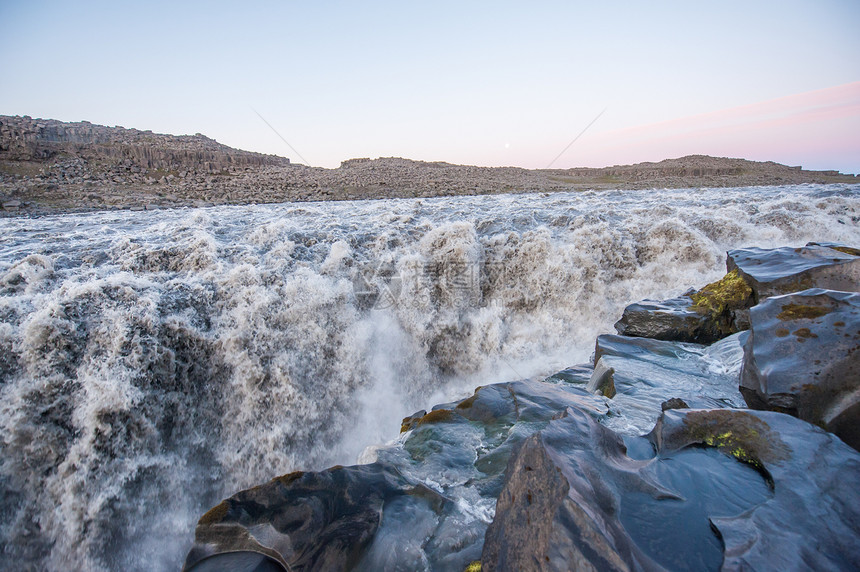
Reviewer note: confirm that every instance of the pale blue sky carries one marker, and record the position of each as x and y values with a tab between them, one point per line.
490	83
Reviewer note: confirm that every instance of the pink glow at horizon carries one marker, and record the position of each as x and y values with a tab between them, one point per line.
818	129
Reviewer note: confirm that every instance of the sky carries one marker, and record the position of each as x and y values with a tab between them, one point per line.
481	83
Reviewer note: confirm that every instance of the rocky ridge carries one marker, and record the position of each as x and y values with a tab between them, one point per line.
49	166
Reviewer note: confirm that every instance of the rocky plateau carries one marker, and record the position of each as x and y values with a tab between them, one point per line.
48	166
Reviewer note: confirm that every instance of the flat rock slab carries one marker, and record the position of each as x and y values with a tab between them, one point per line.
780	493
771	272
639	374
803	358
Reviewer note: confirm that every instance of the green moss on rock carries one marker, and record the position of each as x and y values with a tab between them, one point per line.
469	401
729	293
290	477
473	567
741	435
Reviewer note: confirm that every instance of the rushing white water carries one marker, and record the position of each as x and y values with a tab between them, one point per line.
152	363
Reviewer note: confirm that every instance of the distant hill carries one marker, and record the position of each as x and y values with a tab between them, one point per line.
27	139
52	166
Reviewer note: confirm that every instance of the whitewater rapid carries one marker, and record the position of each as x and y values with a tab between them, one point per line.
152	363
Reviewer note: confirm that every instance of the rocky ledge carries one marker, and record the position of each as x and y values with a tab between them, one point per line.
662	453
48	166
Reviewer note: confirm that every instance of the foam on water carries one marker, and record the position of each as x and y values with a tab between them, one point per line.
153	363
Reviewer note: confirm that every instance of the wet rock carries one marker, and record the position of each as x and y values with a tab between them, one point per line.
303	521
674	403
411	421
705	316
771	272
813	515
602	380
640	374
578	374
543	519
385	515
802	358
726	305
673	319
776	490
497	417
837	246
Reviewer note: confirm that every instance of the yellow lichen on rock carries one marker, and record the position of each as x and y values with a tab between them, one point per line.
435	416
802	312
743	436
473	567
730	292
846	250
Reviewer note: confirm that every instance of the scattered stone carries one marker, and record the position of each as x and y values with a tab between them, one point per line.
803	358
674	403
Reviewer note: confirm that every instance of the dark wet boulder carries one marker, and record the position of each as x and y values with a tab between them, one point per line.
726	304
673	320
302	521
425	502
812	518
674	403
715	489
545	516
775	271
803	358
704	316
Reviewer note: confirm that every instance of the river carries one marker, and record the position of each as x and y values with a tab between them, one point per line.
152	363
